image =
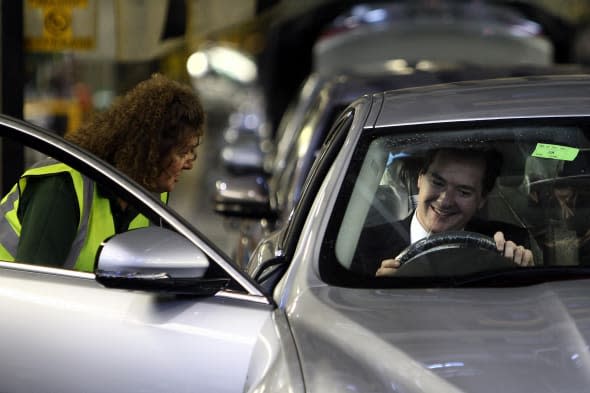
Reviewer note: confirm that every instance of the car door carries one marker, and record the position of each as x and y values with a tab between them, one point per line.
64	331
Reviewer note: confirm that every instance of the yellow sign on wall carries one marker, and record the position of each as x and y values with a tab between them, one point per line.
55	25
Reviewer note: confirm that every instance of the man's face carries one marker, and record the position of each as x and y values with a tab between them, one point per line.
450	192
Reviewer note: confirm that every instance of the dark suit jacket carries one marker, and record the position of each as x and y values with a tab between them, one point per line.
387	240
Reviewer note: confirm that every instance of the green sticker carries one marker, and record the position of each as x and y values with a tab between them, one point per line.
555	152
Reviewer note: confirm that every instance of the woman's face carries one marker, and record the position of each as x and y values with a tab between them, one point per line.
178	159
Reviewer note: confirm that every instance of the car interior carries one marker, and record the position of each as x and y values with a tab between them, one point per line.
543	187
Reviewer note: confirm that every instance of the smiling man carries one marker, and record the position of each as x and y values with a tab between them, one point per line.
453	185
451	190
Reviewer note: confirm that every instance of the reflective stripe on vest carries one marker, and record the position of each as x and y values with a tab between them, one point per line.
80	239
10	225
96	219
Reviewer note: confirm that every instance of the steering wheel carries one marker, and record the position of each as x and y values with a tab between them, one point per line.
457	252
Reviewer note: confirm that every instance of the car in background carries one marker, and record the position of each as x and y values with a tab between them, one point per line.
391	34
246	138
259	203
165	310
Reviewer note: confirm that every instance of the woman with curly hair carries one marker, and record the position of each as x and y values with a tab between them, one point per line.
58	217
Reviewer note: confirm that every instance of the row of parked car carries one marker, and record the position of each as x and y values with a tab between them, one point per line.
165	310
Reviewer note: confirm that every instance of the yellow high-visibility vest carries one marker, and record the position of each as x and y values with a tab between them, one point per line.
96	219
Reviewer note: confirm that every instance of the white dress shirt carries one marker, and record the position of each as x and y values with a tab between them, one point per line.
417	231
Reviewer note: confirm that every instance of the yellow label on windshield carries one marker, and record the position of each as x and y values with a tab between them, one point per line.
555	152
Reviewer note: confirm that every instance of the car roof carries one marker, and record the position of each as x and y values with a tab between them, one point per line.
503	98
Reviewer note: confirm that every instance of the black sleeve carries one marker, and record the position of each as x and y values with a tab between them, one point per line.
511	232
49	214
377	243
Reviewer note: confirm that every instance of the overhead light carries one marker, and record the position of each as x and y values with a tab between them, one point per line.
399	66
233	64
224	61
197	64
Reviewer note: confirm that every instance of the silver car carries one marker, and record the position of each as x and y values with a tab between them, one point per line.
166	311
262	202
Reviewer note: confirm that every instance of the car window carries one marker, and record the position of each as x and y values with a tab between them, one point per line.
49	208
542	193
64	239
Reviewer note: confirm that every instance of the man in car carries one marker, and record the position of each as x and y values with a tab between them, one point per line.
453	185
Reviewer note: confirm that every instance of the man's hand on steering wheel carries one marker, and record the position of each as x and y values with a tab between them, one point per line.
518	254
388	267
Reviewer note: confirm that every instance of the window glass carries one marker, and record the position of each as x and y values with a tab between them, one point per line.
58	214
542	194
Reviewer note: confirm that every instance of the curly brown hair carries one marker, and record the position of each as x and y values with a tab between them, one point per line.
139	130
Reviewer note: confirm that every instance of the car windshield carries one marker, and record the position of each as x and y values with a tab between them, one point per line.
540	199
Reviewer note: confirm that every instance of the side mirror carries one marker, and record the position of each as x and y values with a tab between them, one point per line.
154	259
243	196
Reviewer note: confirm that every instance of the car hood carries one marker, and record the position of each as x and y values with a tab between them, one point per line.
528	339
